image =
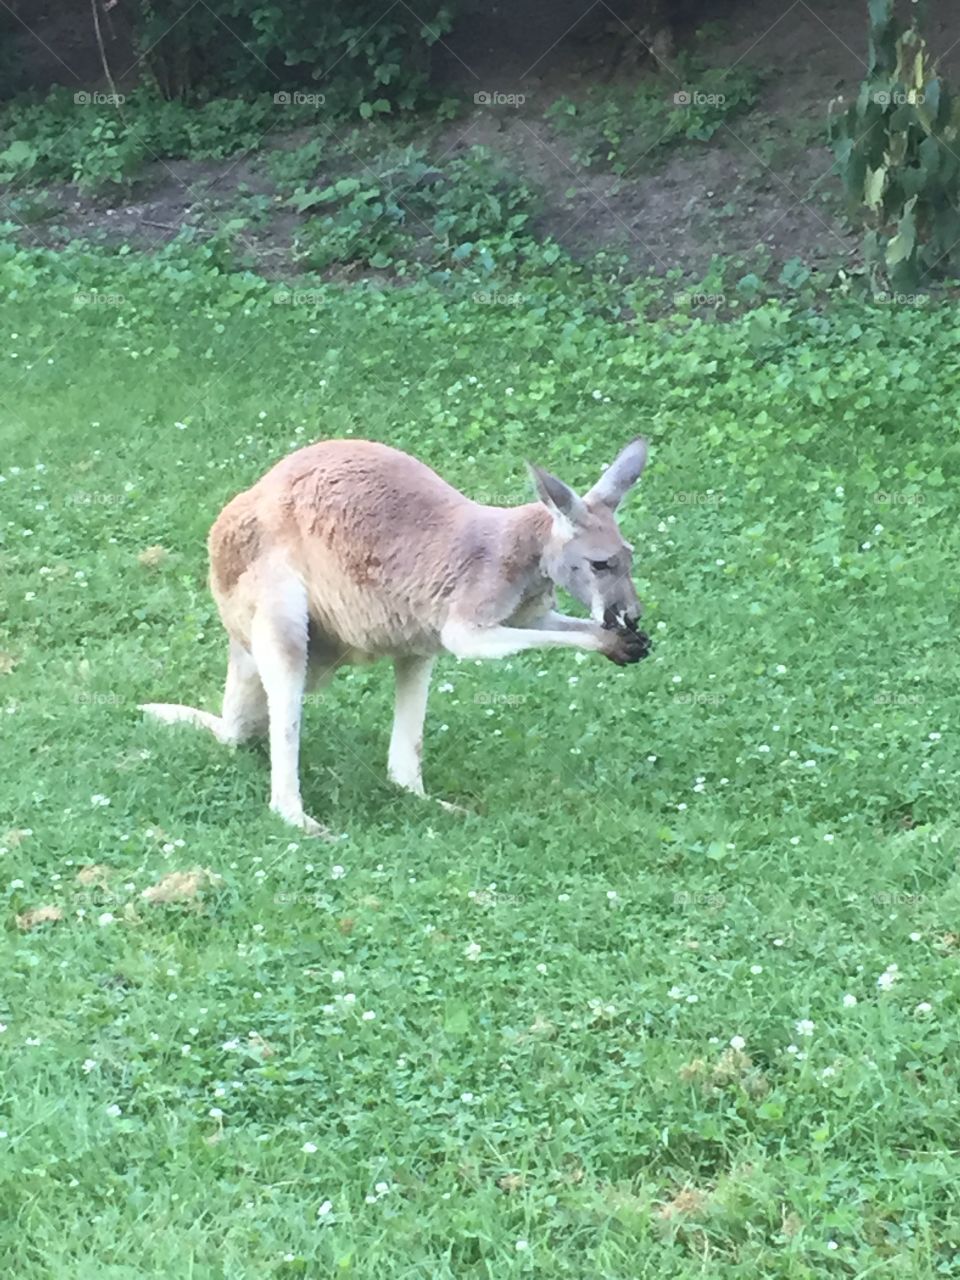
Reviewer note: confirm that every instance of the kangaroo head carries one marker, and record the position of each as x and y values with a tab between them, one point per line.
585	553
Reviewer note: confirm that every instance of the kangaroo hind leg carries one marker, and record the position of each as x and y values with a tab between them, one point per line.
279	647
244	704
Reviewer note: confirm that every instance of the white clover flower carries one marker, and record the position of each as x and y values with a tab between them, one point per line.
805	1027
309	1147
849	1001
737	1042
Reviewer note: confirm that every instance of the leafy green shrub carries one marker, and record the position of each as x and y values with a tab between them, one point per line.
620	128
896	145
297	165
411	211
97	146
376	56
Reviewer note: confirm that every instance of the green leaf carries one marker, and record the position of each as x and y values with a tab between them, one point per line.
903	243
873	186
456	1019
19	155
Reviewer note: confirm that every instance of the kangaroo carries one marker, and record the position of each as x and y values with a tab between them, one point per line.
348	551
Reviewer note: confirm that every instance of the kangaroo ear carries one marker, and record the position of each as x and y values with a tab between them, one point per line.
558	497
621	475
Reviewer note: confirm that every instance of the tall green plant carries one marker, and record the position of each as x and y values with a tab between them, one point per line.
899	155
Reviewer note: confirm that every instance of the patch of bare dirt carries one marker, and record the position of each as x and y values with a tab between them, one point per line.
38	916
181	886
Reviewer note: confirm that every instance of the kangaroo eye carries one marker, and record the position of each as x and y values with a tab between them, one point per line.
601	566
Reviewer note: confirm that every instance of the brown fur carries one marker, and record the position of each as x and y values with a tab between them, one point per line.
347	551
381	543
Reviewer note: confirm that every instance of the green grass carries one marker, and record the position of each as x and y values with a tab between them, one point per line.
726	841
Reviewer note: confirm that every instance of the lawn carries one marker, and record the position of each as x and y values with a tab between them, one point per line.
677	997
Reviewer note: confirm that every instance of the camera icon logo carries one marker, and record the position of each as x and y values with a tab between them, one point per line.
482	99
281	99
81	98
682	98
